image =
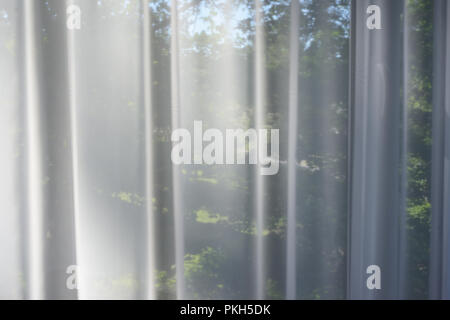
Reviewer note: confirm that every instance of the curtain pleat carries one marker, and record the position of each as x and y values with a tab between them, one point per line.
439	263
376	150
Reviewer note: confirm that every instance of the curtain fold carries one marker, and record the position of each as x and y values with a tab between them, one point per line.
439	268
377	150
353	95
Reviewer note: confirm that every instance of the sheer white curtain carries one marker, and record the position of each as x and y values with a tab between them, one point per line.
93	207
399	133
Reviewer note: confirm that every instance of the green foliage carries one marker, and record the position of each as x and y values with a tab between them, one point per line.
202	275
